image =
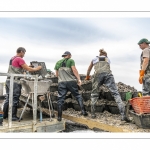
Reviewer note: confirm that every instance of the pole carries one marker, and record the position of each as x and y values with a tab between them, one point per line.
35	103
10	100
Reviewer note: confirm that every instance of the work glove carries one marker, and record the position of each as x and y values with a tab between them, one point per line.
142	72
87	78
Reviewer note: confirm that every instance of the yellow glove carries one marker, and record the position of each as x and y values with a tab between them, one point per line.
87	78
142	72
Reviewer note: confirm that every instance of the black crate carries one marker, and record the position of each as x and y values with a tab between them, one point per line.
42	71
99	108
113	109
123	95
87	108
54	79
107	108
65	106
101	95
86	95
70	105
108	96
76	107
54	97
142	121
135	94
53	87
45	104
87	86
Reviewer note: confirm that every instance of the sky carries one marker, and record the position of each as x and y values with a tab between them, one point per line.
46	39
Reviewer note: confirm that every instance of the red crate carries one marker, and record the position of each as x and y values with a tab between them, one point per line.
141	105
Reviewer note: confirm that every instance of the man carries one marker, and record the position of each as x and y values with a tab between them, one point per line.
16	66
103	75
145	66
68	80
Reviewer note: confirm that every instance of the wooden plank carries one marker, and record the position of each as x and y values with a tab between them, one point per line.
91	123
94	124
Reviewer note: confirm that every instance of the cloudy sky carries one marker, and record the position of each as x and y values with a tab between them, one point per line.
46	39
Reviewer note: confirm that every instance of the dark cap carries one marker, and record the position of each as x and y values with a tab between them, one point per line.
144	41
66	53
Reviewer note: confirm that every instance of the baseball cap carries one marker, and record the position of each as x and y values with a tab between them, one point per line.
66	53
144	40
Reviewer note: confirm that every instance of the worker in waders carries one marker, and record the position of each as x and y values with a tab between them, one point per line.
145	66
16	66
103	75
68	80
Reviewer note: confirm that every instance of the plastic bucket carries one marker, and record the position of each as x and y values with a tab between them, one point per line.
128	96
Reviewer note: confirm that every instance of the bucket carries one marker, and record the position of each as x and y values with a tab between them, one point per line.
128	96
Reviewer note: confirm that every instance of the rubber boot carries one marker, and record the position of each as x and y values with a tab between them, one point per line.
83	111
93	115
122	112
94	99
59	113
14	113
5	110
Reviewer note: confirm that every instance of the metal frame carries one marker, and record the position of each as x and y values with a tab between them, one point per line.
11	97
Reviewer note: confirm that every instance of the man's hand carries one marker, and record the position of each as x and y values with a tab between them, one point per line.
79	82
141	72
87	78
38	68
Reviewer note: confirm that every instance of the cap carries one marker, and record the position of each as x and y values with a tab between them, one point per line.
144	41
66	53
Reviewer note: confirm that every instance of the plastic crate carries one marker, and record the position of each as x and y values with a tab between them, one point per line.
113	109
70	104
141	105
98	108
108	96
45	104
54	97
141	120
87	86
42	71
76	107
87	108
54	79
86	95
53	87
